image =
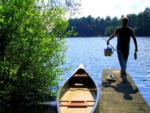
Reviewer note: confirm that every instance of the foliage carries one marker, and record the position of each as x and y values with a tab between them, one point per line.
109	30
70	6
89	26
31	52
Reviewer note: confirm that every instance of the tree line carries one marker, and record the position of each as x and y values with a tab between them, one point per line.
90	26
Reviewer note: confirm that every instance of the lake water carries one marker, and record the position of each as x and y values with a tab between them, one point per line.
90	52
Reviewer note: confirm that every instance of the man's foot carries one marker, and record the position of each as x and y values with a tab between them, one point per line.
124	77
123	73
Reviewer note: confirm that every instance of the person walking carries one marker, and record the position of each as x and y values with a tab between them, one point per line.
123	34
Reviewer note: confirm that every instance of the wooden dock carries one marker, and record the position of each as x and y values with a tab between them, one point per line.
121	96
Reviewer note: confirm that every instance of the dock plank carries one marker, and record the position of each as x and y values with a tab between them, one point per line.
121	96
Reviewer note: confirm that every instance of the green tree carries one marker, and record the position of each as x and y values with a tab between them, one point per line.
109	30
31	52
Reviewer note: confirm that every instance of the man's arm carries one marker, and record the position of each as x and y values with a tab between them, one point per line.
135	42
111	37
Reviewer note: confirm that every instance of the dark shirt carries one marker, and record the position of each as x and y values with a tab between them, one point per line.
123	37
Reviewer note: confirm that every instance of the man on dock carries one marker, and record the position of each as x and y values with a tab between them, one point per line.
123	34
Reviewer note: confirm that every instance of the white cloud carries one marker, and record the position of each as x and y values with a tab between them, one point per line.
112	8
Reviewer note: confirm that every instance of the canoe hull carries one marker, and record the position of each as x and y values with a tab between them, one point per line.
78	94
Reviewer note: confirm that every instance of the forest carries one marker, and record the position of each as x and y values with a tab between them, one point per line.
90	26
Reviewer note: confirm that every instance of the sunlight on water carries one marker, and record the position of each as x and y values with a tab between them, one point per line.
90	52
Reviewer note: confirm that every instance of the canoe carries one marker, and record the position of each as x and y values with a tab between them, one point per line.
78	94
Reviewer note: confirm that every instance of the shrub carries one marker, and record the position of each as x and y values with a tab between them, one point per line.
31	52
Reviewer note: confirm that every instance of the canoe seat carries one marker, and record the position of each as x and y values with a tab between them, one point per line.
80	75
77	103
74	89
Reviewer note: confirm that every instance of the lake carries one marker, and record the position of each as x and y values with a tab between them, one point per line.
90	52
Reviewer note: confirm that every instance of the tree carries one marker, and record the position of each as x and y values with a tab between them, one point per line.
109	30
31	52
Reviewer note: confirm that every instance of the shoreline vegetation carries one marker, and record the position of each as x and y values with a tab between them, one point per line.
31	55
93	27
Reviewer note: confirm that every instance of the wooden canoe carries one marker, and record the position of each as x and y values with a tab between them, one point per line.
79	94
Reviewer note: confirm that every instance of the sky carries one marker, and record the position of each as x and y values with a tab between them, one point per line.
111	8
